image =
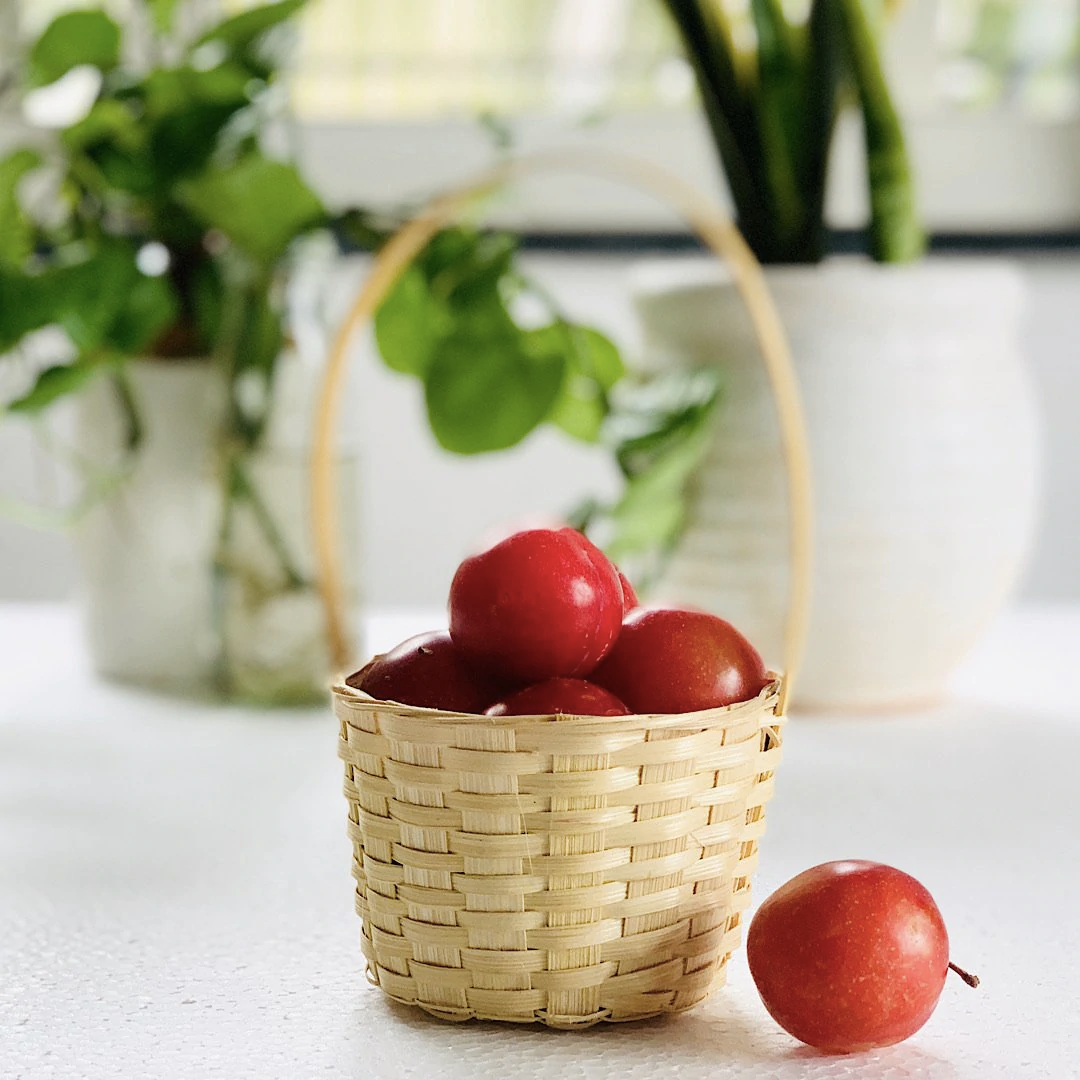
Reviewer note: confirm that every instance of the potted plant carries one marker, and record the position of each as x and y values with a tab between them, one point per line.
920	414
145	254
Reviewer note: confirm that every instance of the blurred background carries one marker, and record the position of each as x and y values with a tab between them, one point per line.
381	105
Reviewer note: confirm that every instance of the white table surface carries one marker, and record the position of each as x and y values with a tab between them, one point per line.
175	898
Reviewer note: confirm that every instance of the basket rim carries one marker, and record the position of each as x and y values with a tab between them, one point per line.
767	700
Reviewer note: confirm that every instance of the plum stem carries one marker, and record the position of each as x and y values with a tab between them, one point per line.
971	980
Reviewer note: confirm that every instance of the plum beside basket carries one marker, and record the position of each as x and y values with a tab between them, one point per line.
562	870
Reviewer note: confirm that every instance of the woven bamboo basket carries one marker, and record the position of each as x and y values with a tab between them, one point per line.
558	869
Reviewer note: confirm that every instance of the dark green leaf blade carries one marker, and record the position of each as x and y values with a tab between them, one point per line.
784	108
56	382
409	324
579	410
259	204
73	39
241	31
162	12
27	303
150	307
597	356
91	294
107	120
485	394
594	366
16	238
896	233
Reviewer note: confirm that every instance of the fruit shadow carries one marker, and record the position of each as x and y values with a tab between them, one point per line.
691	1044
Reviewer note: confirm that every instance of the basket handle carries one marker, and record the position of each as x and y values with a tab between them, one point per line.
725	241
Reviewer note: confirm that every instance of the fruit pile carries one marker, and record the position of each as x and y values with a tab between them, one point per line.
846	956
544	623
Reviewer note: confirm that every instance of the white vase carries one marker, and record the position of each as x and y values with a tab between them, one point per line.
167	601
925	458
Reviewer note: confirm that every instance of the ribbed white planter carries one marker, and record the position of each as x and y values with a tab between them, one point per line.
156	611
925	456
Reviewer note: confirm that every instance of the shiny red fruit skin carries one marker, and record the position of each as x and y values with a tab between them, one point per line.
539	604
849	955
668	660
600	560
431	672
575	697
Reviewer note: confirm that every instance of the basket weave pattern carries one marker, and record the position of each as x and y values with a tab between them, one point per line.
564	870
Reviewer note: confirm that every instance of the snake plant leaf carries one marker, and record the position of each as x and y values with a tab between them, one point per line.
895	231
784	111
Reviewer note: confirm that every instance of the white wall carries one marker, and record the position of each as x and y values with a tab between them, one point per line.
423	509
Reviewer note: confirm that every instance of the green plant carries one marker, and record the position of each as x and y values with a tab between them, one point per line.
165	223
772	109
490	377
172	238
158	225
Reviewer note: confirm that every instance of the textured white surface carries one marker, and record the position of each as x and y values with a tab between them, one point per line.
175	898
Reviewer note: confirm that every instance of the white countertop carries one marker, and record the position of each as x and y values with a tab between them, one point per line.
175	898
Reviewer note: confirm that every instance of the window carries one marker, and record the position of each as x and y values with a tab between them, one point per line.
388	96
389	99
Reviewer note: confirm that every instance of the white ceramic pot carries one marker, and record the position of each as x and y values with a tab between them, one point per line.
167	601
144	552
925	459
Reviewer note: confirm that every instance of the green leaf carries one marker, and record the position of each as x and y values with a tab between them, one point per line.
182	143
16	235
108	120
72	39
91	294
242	31
473	279
484	395
150	307
359	230
186	111
409	324
57	382
652	417
594	366
661	430
162	12
579	409
449	250
896	233
259	204
170	90
27	303
207	291
124	170
261	338
784	110
597	356
729	109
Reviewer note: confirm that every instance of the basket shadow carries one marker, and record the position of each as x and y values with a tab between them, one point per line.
700	1039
